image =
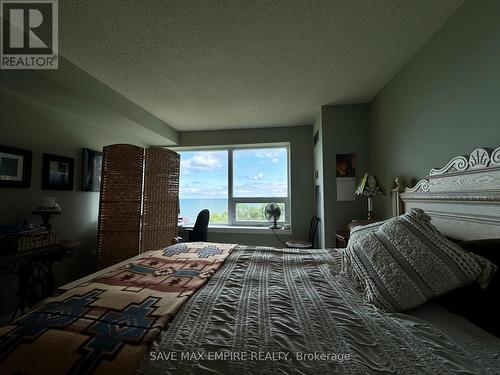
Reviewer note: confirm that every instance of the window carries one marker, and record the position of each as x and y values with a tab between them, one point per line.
204	184
235	184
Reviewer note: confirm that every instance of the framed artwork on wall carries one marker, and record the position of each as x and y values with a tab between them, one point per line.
57	172
346	165
15	167
91	170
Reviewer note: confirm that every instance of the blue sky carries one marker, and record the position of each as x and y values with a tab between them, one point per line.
257	173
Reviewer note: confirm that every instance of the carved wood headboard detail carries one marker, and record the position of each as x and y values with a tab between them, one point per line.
463	197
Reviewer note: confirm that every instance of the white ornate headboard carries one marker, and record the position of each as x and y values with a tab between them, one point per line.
463	198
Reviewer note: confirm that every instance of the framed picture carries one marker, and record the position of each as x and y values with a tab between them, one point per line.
91	170
15	167
346	165
57	172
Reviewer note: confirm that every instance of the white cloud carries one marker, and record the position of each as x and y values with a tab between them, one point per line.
258	176
189	191
262	153
205	161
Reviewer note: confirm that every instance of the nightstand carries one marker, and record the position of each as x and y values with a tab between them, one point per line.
342	238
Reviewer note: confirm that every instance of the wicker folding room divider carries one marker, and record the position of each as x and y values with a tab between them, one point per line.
139	201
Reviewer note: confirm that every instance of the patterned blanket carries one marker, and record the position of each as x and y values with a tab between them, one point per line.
106	325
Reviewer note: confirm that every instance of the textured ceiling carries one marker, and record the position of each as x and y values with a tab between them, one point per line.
205	64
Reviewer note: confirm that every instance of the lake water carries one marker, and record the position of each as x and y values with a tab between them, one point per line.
191	207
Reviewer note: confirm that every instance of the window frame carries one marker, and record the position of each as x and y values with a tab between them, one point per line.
231	200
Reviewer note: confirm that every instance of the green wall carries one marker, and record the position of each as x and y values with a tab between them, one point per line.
444	102
301	175
344	130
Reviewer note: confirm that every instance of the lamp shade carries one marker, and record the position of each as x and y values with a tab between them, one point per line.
369	186
47	204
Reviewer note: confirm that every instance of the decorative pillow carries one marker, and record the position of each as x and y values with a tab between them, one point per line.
362	230
404	261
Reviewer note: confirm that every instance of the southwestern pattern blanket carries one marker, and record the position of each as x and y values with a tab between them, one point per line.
106	325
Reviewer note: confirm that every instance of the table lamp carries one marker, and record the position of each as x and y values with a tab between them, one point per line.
369	187
46	208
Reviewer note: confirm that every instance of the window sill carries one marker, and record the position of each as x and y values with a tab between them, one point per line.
243	229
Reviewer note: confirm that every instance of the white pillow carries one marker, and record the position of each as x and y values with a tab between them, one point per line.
404	261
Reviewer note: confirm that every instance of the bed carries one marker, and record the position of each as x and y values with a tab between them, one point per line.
291	302
264	310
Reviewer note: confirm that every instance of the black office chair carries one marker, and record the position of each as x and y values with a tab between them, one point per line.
200	229
313	228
